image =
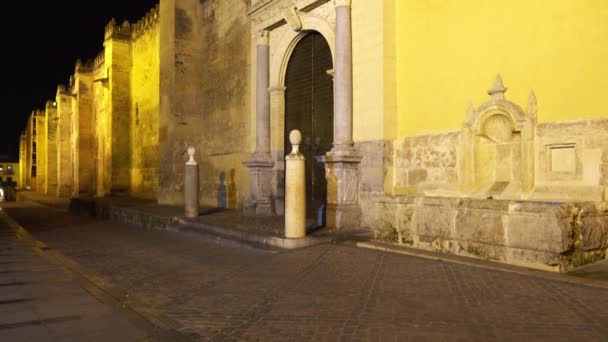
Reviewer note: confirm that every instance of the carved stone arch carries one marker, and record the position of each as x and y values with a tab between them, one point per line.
288	41
281	53
497	148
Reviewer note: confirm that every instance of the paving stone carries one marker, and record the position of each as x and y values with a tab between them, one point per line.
324	293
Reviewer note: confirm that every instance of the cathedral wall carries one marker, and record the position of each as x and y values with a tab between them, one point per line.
64	141
41	141
204	97
223	138
145	73
102	132
118	143
85	144
446	50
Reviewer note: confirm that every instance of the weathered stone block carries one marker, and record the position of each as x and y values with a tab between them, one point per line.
545	233
483	226
498	205
443	202
567	128
372	168
417	176
434	222
593	226
594	233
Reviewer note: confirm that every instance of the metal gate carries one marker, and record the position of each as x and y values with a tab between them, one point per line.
309	107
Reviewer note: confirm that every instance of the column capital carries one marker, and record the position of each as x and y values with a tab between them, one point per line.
261	37
342	3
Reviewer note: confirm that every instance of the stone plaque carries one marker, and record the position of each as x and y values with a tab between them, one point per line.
563	158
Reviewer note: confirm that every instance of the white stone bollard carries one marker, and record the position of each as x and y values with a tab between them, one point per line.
295	189
191	203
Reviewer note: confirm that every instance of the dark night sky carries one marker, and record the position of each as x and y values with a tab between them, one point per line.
40	44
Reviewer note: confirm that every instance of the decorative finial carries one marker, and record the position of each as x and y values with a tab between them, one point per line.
191	152
498	90
532	109
470	114
295	138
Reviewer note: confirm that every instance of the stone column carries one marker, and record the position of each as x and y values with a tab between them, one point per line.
343	81
342	162
191	188
262	97
295	189
260	168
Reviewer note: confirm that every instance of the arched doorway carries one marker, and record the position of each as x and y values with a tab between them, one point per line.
309	107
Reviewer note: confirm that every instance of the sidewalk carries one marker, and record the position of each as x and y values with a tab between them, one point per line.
40	300
266	232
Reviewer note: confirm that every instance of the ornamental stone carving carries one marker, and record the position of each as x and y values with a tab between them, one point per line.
497	147
292	18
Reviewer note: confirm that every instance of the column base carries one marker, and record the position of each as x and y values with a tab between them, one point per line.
260	202
343	217
342	174
253	207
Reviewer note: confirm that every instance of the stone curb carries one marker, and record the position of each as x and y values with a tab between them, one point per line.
482	263
135	216
254	238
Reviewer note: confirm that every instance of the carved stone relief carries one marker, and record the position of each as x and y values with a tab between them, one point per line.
497	147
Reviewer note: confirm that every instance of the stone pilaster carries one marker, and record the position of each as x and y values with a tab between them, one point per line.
260	168
342	162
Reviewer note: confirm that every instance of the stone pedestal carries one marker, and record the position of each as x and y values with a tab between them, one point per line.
260	182
191	187
342	173
295	189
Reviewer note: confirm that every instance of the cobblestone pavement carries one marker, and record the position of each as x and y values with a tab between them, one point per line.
42	301
325	293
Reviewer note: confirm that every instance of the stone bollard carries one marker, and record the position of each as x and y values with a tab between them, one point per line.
191	186
295	189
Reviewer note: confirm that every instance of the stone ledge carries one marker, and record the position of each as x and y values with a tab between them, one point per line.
556	236
253	238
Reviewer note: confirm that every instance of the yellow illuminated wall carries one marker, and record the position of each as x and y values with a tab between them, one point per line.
145	57
449	52
374	104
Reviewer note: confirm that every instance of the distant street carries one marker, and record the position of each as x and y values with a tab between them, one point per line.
210	290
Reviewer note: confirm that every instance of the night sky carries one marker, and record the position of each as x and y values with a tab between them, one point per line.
40	44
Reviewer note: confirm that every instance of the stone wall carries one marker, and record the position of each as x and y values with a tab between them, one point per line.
64	141
426	162
204	102
562	223
572	160
102	131
118	139
41	142
145	71
84	148
50	186
550	236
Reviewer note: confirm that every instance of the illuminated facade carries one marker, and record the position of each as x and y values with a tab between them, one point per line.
403	115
